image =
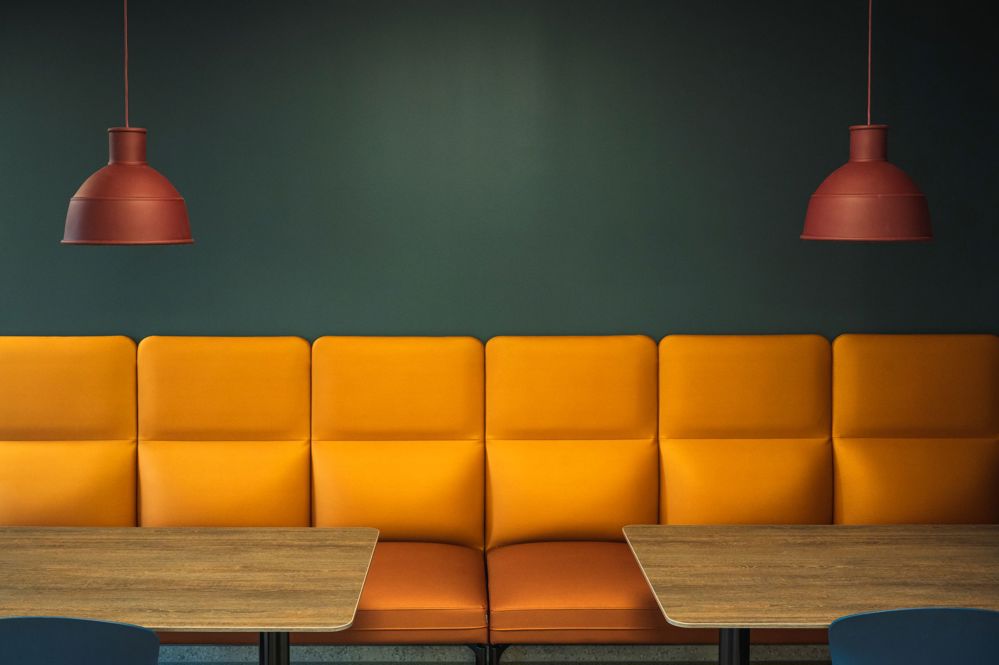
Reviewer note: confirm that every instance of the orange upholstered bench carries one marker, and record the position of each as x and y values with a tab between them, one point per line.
510	469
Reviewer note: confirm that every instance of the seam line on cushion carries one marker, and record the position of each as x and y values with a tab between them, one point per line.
382	630
921	438
400	440
542	629
468	608
107	439
206	440
579	609
744	438
571	438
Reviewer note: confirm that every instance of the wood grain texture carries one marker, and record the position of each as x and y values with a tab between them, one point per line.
807	576
190	579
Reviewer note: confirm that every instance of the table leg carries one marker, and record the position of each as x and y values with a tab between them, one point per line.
274	649
733	646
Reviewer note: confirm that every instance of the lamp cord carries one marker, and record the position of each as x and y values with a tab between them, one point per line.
870	14
126	62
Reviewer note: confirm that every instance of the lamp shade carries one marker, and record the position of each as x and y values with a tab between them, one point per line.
127	202
868	198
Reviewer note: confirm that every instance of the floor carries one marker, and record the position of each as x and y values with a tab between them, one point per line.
674	655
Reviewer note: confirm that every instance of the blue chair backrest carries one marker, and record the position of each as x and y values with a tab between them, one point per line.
59	641
922	636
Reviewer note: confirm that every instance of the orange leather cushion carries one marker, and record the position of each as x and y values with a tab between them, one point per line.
224	431
916	426
67	483
574	592
67	431
570	428
397	431
747	481
569	490
916	386
744	427
570	387
421	588
67	388
397	388
224	483
923	481
410	490
744	387
224	389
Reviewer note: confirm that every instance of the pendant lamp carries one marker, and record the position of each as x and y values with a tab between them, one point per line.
868	198
127	202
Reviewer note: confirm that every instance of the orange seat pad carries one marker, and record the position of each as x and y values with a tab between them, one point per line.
418	593
575	592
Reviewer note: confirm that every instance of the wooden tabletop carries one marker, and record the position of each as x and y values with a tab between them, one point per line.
192	579
807	576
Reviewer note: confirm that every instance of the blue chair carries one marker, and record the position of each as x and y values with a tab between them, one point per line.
59	641
922	636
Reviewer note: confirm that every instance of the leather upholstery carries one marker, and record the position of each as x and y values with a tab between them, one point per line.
570	437
744	429
224	431
567	455
398	445
397	431
419	593
571	456
916	428
574	593
67	431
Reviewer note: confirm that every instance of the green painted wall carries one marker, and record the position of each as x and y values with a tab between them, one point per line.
430	167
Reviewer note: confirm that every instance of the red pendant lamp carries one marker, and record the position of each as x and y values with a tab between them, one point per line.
868	198
127	202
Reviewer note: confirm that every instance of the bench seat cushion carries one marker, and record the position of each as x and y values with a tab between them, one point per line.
575	592
419	593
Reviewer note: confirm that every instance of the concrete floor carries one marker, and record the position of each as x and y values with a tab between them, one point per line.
616	655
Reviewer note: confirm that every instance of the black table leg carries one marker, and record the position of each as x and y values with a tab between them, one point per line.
733	646
274	649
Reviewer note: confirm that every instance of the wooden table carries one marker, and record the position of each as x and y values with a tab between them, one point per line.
265	580
740	577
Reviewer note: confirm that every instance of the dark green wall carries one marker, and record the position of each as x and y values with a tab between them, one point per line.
429	167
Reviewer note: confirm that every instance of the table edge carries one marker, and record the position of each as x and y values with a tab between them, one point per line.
231	629
757	624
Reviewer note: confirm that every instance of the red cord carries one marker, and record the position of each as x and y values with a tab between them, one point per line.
870	13
126	63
